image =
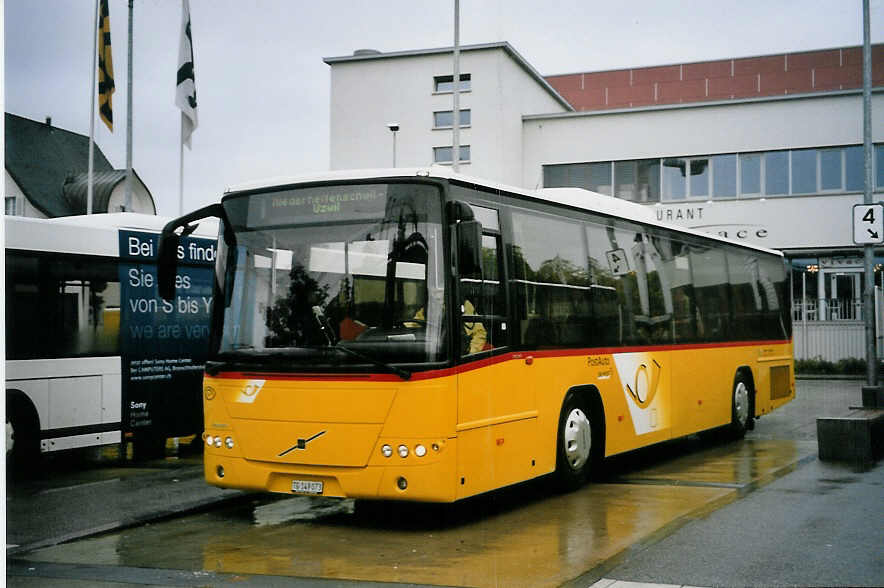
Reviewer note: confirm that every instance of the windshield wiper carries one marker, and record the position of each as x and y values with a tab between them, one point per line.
326	329
402	373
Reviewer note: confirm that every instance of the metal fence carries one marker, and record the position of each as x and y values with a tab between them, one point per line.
834	329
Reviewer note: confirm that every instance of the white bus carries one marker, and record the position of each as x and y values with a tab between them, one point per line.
93	355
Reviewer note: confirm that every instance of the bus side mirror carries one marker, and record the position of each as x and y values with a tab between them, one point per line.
167	264
167	256
469	248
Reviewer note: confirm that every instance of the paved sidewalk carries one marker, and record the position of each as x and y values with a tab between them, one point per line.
70	502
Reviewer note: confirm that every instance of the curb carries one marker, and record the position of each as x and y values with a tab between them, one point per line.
183	509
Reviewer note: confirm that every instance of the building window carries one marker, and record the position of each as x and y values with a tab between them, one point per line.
443	154
10	206
879	165
830	169
444	119
443	84
674	180
750	173
730	175
776	173
699	178
854	171
637	180
804	171
598	177
724	176
589	176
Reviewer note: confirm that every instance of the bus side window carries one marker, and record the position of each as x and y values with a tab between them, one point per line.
710	280
484	303
61	306
551	281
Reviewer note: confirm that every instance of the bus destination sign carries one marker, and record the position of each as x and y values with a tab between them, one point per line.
311	205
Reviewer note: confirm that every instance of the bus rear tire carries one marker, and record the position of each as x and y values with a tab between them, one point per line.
22	436
576	447
741	405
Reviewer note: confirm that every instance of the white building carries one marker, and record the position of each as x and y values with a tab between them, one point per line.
765	149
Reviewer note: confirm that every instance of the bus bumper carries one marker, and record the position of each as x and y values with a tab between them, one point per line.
392	478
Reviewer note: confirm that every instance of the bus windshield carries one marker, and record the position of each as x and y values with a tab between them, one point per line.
334	274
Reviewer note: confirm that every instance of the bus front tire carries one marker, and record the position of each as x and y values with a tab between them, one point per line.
576	449
741	405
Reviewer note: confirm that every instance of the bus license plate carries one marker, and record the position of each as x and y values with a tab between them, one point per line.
306	487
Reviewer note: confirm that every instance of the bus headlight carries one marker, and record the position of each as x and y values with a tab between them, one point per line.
210	440
218	442
229	442
420	451
403	451
387	451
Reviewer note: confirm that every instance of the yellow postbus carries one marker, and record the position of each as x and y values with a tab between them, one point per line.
423	335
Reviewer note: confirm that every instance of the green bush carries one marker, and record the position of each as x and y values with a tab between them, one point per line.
848	366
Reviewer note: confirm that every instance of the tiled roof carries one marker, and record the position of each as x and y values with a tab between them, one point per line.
724	79
50	166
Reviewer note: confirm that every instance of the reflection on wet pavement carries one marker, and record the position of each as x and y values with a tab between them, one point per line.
519	536
734	464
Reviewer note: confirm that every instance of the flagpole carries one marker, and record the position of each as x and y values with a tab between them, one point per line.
89	179
128	201
455	95
181	169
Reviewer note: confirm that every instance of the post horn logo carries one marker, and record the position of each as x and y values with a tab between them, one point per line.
645	383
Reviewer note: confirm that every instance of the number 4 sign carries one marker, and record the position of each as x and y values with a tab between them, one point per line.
617	262
868	224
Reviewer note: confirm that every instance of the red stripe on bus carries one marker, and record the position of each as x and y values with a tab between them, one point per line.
488	361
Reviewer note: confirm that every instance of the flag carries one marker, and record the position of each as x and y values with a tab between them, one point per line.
105	68
185	95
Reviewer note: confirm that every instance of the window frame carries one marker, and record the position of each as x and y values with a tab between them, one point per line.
451	161
764	173
449	78
462	125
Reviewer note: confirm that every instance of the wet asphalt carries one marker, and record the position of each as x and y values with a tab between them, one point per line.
763	511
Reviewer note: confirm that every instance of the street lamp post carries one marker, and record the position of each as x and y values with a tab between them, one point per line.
394	128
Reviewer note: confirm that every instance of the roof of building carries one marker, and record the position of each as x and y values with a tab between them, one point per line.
820	71
371	54
76	188
50	165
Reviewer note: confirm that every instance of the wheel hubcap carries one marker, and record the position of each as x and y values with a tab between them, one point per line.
578	439
741	403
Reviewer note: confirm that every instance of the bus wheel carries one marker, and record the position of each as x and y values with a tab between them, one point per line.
22	436
575	451
741	401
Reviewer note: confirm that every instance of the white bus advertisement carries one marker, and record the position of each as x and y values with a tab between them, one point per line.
94	356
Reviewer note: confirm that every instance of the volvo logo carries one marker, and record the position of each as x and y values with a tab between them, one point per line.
302	443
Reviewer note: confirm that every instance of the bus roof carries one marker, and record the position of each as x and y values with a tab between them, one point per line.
94	234
576	198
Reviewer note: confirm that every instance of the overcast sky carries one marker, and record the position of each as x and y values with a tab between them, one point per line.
263	89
